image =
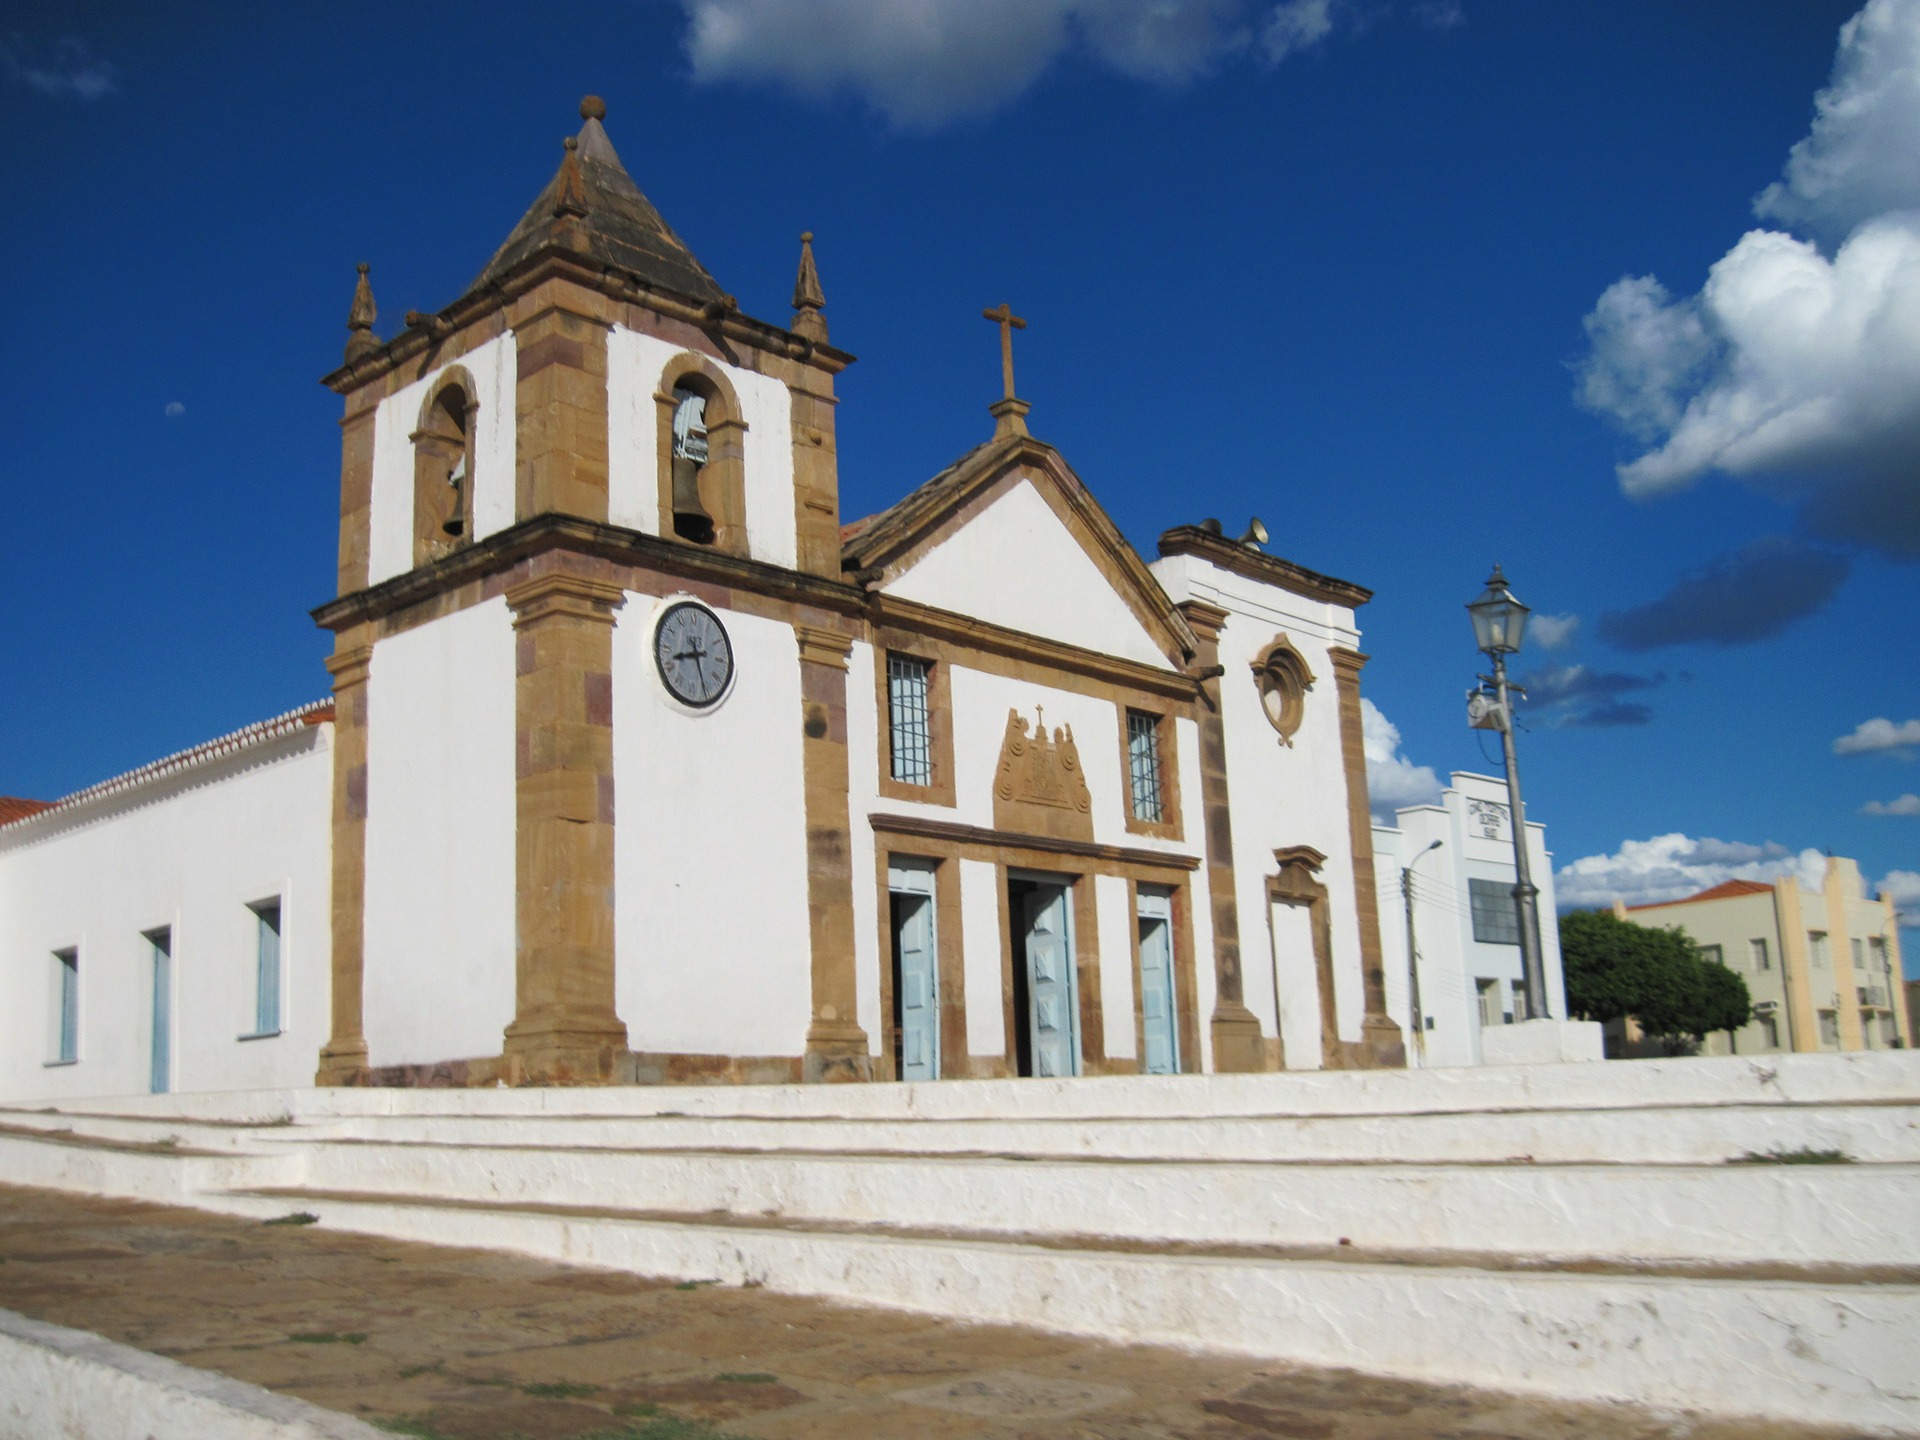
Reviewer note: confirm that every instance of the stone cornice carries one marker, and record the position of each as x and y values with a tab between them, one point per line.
955	833
1257	565
615	284
506	548
965	630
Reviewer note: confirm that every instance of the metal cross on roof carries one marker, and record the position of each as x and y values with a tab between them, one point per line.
1008	323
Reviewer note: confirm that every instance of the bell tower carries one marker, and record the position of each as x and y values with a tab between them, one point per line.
594	399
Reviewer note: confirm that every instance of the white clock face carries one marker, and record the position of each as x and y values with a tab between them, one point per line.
695	658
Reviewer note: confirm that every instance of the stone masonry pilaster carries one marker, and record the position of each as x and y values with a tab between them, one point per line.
565	1029
343	1059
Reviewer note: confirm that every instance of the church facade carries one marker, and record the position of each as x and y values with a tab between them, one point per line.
641	766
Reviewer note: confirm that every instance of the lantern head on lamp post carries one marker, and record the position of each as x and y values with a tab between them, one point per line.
1499	625
1499	619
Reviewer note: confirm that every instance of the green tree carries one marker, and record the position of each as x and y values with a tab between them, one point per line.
1615	968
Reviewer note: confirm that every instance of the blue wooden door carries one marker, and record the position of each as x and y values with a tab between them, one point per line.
161	1075
1051	1010
916	976
1156	985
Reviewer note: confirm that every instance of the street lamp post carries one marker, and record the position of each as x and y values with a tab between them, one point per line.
1415	1012
1499	624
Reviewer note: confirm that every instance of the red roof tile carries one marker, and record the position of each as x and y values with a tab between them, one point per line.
1726	890
13	808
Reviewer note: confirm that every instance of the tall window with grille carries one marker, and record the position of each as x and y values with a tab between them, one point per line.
907	720
1143	766
1496	921
66	1000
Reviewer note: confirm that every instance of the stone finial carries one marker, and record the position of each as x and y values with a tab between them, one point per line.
360	317
808	298
572	199
592	107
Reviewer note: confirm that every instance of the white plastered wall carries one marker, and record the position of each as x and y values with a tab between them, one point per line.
1283	796
495	374
1016	565
635	364
191	852
440	938
712	945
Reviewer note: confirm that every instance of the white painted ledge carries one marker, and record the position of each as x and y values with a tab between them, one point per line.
75	1385
1543	1042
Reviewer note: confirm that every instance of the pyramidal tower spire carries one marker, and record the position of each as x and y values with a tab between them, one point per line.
808	298
360	317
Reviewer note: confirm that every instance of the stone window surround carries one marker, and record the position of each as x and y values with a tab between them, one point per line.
723	479
939	723
435	454
1170	826
1283	678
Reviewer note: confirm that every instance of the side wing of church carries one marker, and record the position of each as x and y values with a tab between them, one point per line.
647	768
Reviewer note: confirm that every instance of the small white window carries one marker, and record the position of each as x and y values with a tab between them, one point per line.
66	981
1829	1030
1769	1033
1757	952
266	985
1817	947
908	721
1711	952
1489	993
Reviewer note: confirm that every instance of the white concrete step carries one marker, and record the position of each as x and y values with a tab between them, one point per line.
178	1175
1833	1350
1862	1078
1650	1135
1787	1214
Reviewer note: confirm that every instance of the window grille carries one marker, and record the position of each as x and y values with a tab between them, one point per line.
1712	953
1758	951
266	1004
67	977
1496	919
1817	947
907	720
1143	764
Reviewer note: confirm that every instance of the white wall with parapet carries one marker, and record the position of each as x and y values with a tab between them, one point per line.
1281	796
712	943
1471	823
635	364
440	938
495	372
191	851
1017	565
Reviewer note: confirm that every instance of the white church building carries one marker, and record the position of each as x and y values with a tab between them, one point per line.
641	766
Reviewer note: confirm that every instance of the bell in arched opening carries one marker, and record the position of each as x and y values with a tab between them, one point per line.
691	521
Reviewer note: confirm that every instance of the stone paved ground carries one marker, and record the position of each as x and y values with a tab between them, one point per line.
469	1345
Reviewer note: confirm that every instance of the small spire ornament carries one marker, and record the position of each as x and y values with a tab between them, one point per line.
360	317
572	199
808	298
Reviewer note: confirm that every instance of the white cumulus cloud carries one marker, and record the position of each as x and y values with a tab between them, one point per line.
1672	867
175	410
1902	887
1905	805
1880	736
1393	781
1796	368
1553	631
922	63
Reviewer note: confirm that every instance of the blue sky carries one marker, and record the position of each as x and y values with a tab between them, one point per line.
1374	270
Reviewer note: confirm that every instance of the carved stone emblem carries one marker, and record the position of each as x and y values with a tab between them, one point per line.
1040	788
1491	818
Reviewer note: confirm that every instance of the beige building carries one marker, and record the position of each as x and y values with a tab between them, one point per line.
1823	966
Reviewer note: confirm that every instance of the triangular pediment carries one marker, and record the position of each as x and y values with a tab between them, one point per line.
1010	535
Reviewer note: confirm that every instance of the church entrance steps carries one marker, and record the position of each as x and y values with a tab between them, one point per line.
1797	1214
1567	1230
1651	1135
1834	1347
159	1171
